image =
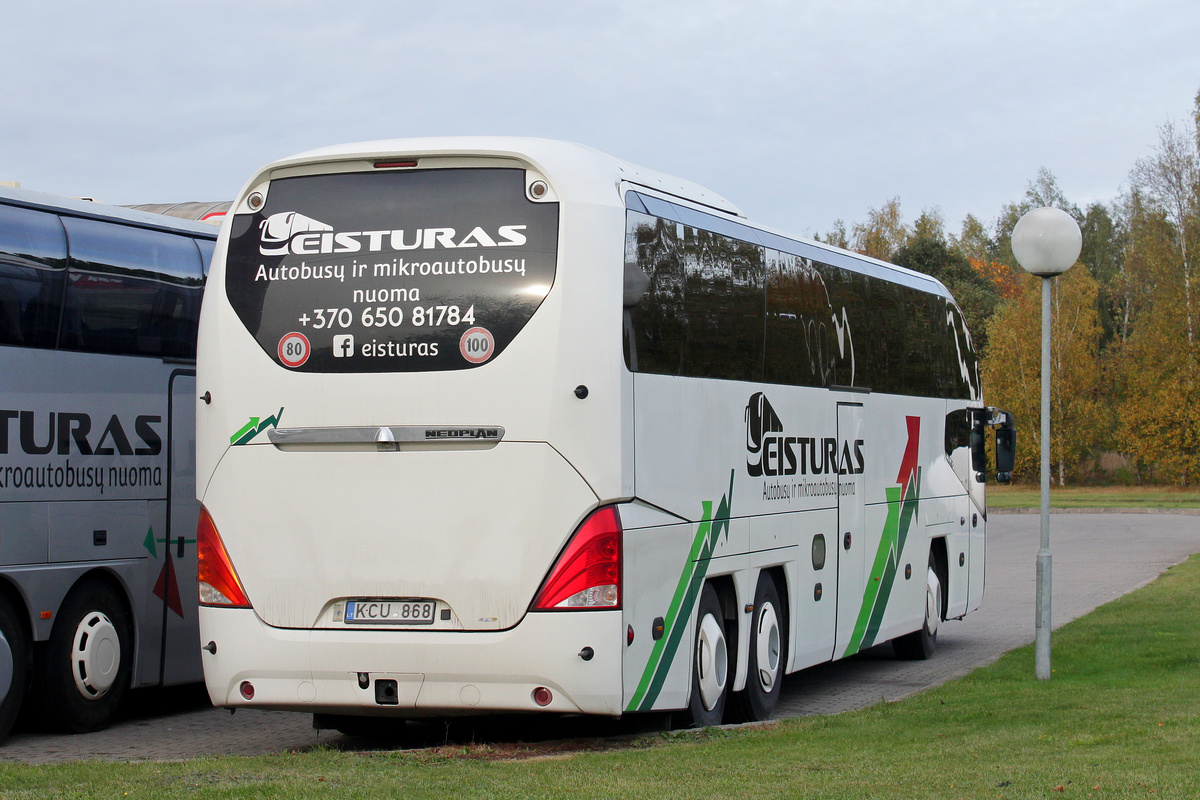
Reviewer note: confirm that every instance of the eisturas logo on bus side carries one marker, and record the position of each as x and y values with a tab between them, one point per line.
289	232
771	453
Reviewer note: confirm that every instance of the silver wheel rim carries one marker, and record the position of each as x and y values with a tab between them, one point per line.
933	604
95	655
767	641
712	661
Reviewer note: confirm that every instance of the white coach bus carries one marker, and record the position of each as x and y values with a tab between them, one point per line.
506	425
98	314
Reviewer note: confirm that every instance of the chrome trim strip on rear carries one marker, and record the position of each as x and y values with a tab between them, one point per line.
387	437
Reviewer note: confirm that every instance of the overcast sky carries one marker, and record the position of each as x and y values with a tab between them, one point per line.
799	112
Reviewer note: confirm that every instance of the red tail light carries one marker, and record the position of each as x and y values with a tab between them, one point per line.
588	573
219	583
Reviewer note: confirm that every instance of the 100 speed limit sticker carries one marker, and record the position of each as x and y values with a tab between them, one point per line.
477	345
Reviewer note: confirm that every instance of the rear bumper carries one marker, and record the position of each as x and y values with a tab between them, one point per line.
436	673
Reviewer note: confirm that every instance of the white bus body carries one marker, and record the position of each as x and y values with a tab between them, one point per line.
416	392
98	314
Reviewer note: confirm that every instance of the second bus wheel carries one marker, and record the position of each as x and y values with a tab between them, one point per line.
767	656
83	671
14	666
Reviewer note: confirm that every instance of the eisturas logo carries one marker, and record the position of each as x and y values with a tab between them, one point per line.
761	420
278	229
289	232
771	453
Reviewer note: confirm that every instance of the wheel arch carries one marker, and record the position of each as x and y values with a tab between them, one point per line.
112	580
11	592
778	574
39	590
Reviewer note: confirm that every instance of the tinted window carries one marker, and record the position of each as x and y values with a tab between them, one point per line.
958	431
800	345
658	323
723	304
33	253
131	291
962	361
702	311
714	306
392	271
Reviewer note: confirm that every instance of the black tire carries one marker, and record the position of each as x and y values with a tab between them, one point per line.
767	657
84	670
710	664
919	645
14	664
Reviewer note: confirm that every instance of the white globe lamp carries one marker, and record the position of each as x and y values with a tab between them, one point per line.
1046	242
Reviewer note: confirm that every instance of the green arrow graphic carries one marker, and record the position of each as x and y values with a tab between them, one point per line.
254	428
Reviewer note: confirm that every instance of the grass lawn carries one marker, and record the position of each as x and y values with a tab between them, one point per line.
1120	718
1029	496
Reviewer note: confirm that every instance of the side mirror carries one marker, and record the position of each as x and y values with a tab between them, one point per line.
1006	443
1006	453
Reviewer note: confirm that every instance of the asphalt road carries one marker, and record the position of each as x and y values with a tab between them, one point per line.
1097	557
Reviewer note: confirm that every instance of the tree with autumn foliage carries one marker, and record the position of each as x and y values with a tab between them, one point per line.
1156	365
1011	369
1126	327
883	233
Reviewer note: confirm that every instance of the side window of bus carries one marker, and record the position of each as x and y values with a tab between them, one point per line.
958	431
962	362
800	347
131	291
658	328
708	305
852	332
701	314
33	259
723	301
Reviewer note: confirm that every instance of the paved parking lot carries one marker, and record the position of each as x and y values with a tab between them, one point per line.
1097	557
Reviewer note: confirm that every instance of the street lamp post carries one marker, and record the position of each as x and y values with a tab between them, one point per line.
1046	242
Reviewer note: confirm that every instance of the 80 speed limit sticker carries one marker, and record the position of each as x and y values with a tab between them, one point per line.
294	349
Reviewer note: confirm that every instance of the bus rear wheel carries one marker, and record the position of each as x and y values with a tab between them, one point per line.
86	664
710	664
768	650
14	667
